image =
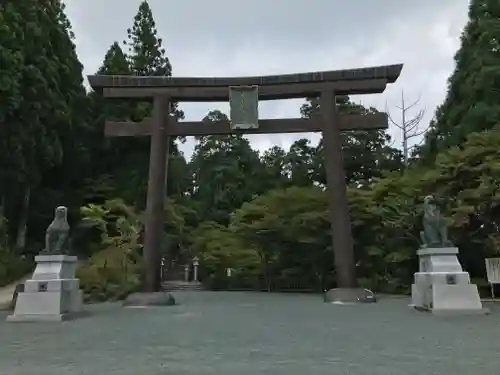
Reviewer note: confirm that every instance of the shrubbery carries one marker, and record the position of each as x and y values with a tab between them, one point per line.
109	275
113	272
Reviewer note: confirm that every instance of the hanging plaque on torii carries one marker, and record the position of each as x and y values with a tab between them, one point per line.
244	107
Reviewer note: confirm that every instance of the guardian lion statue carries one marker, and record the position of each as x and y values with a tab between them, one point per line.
57	234
435	233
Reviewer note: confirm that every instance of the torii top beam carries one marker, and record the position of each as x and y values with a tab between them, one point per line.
369	80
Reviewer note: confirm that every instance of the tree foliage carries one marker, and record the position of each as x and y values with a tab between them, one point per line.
367	154
472	103
113	270
224	169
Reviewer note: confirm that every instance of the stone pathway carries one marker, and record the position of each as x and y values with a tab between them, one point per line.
254	333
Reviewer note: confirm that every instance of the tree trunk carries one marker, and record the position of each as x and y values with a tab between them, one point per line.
2	206
22	227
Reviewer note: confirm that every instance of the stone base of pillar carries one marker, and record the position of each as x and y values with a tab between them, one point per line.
349	295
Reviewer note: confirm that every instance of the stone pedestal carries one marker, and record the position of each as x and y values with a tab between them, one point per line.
53	292
441	285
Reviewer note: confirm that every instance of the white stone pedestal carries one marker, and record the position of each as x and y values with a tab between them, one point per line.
53	292
441	285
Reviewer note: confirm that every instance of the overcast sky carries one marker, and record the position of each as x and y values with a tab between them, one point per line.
235	38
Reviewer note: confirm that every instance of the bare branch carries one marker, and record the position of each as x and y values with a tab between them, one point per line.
410	125
390	117
418	134
409	128
395	123
412	131
414	103
420	114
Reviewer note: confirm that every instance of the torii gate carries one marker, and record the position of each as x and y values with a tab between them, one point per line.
244	94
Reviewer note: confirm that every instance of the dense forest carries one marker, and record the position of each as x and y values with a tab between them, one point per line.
263	215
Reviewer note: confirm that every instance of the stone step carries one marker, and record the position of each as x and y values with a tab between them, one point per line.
181	285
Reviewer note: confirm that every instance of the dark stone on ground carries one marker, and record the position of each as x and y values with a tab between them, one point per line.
350	295
149	299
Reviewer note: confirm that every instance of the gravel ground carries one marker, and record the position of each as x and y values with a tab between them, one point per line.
254	333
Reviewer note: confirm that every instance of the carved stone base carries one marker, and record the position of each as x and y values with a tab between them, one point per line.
52	294
348	295
442	286
149	299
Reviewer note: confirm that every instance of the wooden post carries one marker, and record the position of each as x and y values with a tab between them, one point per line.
155	206
337	192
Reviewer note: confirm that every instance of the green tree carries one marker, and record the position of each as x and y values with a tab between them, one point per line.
275	162
472	103
113	270
367	154
463	179
11	73
125	159
45	102
147	57
220	249
146	52
302	163
289	228
226	173
466	179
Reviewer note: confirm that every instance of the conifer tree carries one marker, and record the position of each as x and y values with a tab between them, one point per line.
45	94
115	61
147	57
473	100
146	52
121	162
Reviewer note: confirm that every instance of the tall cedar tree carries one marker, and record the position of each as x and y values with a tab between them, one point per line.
146	51
120	164
42	90
473	100
73	130
147	58
11	73
112	150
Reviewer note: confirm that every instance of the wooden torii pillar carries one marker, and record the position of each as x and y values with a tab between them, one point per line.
325	85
